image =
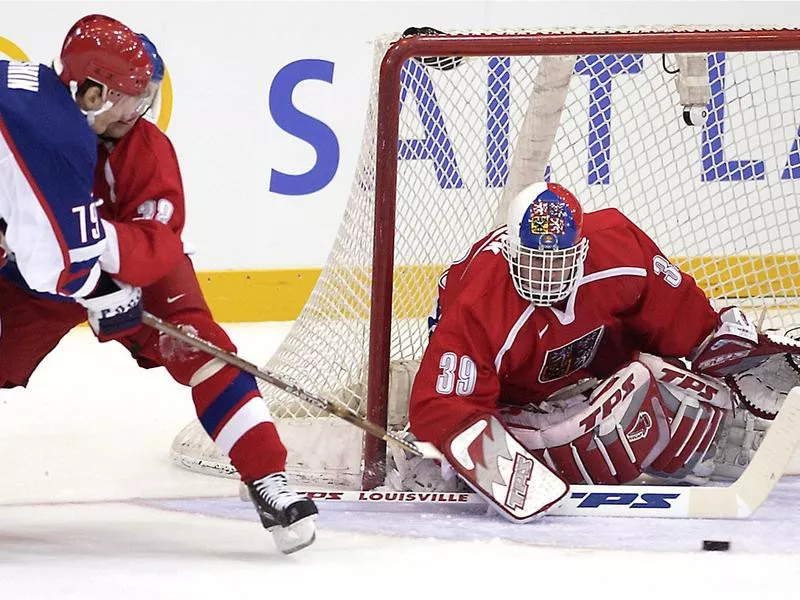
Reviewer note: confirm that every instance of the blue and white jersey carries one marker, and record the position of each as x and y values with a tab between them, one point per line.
47	159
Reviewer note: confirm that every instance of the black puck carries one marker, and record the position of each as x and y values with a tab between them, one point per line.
716	545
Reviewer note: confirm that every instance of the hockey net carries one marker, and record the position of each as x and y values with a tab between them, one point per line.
447	143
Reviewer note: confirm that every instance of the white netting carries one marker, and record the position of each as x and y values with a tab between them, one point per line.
719	199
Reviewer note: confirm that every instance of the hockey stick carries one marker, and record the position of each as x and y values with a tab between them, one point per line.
736	501
421	449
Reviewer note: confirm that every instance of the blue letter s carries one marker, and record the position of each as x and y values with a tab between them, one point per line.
303	126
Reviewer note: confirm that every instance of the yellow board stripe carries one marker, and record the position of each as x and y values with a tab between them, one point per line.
768	275
279	295
248	296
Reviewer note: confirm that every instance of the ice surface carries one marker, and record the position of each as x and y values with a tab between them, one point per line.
91	507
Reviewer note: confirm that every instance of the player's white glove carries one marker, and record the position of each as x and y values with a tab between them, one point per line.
114	309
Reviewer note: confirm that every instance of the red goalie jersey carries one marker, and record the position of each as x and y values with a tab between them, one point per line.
491	347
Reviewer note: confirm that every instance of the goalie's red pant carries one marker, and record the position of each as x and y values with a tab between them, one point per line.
227	400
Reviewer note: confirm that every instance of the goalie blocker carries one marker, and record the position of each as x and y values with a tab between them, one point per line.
502	471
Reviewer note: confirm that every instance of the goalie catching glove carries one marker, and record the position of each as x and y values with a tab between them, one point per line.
114	309
759	367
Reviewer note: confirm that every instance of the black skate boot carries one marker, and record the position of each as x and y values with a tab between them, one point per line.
287	515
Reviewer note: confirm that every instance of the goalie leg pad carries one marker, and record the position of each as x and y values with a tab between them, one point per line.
696	405
649	415
739	437
620	430
692	436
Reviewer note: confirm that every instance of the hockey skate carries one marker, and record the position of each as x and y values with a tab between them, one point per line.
287	515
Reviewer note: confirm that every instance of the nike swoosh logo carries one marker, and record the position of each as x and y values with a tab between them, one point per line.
172	299
544	329
459	447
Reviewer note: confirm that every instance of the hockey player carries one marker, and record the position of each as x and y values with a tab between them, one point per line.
48	121
563	331
139	184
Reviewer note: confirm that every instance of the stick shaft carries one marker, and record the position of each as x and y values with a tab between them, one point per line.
339	410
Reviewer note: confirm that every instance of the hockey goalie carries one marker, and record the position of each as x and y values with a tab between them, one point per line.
574	336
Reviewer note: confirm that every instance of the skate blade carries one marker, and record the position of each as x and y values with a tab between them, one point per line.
295	537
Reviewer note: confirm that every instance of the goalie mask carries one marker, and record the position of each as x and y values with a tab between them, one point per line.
545	247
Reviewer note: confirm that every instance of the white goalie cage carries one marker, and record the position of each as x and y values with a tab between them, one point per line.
596	111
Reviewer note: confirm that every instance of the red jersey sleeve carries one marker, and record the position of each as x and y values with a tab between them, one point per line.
140	181
673	314
456	380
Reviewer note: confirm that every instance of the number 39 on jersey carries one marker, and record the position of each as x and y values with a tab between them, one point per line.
457	374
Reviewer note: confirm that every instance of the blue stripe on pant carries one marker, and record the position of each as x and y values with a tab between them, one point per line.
223	404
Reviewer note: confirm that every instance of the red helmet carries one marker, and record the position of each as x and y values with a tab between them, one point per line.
100	48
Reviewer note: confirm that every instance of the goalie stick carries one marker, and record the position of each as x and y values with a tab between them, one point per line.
738	500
